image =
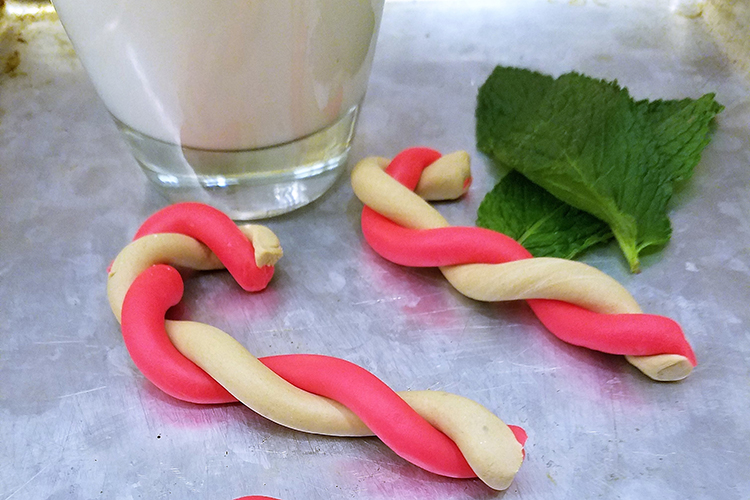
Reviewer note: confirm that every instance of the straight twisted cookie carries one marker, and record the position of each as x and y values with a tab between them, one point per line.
440	432
576	302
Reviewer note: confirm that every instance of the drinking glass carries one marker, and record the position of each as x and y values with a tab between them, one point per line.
247	105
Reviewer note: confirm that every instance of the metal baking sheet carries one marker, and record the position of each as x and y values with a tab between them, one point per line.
78	421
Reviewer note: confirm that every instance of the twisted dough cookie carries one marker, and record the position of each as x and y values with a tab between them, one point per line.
576	302
440	432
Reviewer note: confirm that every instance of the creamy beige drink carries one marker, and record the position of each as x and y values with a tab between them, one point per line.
226	75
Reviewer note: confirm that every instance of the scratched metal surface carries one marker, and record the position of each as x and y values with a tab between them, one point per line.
79	422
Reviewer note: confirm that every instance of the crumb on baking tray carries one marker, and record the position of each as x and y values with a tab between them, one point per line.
729	22
11	62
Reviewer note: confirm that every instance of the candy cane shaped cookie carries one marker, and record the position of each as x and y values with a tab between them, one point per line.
440	432
576	302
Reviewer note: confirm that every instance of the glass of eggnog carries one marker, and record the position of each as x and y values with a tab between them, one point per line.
247	105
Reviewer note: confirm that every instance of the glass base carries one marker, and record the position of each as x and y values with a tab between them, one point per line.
247	184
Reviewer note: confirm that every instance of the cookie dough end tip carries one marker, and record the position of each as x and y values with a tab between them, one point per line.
674	372
504	475
663	367
266	244
447	178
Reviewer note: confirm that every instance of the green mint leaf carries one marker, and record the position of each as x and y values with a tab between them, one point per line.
546	226
591	145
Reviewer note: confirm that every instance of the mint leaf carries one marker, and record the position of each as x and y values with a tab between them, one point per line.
546	226
591	145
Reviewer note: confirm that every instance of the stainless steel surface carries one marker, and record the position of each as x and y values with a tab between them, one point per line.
79	422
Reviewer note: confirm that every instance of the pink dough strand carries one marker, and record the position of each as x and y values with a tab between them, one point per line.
256	497
217	231
146	302
380	408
